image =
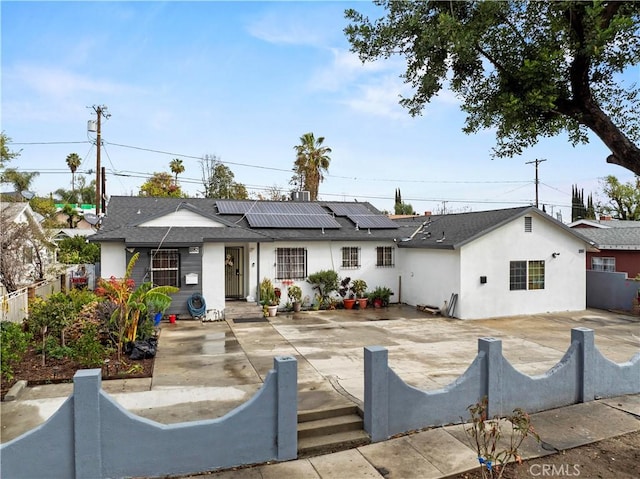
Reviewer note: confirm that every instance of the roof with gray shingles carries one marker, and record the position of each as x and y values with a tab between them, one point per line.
612	223
613	238
125	213
455	230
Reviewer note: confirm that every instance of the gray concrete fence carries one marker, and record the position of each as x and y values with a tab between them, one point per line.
392	407
91	436
611	290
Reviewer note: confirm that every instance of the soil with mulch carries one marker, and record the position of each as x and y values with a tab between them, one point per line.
63	370
614	458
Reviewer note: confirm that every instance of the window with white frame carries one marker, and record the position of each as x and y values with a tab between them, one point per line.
384	256
291	263
165	267
525	275
601	263
350	257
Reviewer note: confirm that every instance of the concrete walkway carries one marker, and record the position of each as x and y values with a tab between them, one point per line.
444	452
204	370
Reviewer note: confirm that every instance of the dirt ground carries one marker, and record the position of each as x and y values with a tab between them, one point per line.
63	370
615	458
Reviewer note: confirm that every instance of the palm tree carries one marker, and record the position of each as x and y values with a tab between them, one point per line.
73	162
176	168
312	160
21	181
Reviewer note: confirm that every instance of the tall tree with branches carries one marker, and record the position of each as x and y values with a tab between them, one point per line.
528	69
176	168
218	180
73	162
312	160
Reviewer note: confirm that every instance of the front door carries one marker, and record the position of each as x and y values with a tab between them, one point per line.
234	272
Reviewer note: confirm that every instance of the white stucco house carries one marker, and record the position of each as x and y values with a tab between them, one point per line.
498	263
222	249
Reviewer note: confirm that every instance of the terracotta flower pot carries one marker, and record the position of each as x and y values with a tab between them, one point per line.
348	303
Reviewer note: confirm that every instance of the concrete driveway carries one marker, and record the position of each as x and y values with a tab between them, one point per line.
203	370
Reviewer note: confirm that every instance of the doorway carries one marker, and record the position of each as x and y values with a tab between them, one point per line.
234	272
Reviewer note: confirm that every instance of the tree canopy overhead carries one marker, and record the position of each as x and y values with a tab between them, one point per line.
529	69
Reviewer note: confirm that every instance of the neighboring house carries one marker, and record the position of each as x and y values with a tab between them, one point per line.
504	262
25	246
617	243
82	212
64	233
499	263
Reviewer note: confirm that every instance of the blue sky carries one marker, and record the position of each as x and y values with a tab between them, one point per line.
243	81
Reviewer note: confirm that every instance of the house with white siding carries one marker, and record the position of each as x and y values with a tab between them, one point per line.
498	263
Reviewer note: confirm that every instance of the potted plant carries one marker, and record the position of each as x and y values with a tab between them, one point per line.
380	296
325	282
359	287
268	298
346	292
295	296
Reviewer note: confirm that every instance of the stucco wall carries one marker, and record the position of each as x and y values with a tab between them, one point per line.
212	280
429	276
112	260
324	255
490	255
607	290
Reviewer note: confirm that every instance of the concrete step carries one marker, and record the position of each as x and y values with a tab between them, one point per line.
315	414
239	309
312	446
329	430
329	426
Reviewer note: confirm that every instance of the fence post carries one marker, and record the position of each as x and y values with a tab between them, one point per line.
492	347
586	363
287	396
87	423
376	393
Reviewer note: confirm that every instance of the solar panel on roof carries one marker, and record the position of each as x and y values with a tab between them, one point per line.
361	215
346	209
270	220
372	221
274	214
233	207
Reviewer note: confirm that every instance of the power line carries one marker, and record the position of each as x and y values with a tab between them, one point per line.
47	142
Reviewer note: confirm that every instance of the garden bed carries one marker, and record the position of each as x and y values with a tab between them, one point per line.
30	369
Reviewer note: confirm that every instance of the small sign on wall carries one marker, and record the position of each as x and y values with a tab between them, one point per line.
191	278
194	250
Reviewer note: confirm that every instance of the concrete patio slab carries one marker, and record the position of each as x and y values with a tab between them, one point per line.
397	459
349	463
294	469
443	450
584	423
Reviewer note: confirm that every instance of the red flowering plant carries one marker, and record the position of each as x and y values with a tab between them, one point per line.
131	302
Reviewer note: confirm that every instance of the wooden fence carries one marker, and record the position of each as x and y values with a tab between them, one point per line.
15	306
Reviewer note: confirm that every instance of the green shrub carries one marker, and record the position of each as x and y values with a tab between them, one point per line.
13	344
325	282
88	350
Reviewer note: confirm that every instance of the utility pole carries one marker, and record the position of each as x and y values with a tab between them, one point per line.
101	111
537	162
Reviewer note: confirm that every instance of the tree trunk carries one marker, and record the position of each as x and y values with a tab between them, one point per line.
623	152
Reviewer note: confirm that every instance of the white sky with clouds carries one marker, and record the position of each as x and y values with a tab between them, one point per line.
243	81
